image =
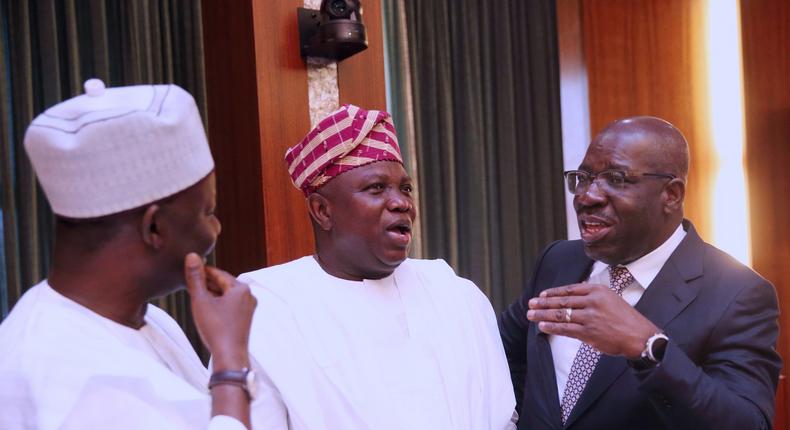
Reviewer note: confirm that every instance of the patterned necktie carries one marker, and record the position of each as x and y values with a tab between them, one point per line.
587	357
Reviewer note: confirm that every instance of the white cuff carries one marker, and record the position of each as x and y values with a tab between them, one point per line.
224	422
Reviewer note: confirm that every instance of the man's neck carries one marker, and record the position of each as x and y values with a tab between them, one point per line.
338	270
105	289
645	268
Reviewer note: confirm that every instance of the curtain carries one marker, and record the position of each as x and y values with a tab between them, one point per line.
48	48
399	98
483	92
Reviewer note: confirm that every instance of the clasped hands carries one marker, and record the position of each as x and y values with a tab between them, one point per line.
593	314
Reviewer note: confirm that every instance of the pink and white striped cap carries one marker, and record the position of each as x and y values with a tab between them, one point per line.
349	137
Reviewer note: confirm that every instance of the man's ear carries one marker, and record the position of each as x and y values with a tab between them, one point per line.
674	194
320	211
150	227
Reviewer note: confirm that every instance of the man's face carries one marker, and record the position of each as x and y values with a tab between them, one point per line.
190	224
199	226
620	226
372	210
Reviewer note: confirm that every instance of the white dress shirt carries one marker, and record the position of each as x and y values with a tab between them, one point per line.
644	270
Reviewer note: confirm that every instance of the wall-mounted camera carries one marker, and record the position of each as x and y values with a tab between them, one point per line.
335	31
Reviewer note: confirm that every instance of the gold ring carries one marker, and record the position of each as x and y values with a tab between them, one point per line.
568	312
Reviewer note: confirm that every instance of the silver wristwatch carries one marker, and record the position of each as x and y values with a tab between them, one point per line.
244	378
654	350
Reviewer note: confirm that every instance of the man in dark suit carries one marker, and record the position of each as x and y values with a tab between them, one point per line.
641	324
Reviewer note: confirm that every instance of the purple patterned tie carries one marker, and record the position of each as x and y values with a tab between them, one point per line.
587	358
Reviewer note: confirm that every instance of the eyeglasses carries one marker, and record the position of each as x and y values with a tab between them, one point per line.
579	181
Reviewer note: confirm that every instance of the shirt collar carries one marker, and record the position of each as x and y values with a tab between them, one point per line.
645	268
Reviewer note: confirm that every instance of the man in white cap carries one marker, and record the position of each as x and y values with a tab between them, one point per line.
358	336
129	175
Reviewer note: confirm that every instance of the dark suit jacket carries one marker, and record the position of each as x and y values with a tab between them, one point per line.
720	368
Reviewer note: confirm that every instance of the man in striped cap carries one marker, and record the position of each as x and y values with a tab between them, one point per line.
357	335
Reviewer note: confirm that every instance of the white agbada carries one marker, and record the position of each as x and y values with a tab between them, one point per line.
419	349
63	366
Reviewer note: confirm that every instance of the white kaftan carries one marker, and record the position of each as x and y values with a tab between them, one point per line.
62	366
417	350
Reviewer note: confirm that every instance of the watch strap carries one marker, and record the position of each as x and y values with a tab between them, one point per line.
231	377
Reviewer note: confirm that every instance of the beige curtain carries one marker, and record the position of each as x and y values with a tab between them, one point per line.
48	48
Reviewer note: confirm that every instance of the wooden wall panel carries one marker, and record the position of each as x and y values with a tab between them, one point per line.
361	77
765	29
646	57
257	103
258	107
285	119
234	133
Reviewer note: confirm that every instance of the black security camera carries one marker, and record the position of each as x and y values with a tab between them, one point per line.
335	31
339	9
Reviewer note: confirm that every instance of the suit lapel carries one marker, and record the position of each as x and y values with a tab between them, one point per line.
672	290
547	380
578	270
668	294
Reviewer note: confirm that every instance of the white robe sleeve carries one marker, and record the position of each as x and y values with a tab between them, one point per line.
224	422
268	412
121	406
498	383
269	335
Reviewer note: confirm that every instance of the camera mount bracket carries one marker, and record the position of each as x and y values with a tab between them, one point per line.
335	39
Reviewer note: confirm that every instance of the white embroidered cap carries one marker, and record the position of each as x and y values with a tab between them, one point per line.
115	149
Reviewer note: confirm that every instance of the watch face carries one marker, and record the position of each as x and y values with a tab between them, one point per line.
658	348
654	350
252	384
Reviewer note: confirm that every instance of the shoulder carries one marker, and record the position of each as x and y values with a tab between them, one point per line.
21	327
718	261
282	290
561	250
437	267
40	328
728	274
25	307
39	317
713	269
438	277
558	257
722	281
457	301
695	258
278	272
158	317
282	280
434	271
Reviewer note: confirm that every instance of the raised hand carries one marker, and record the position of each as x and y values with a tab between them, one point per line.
222	308
593	314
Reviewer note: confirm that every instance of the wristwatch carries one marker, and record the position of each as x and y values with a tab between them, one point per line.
244	378
653	353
